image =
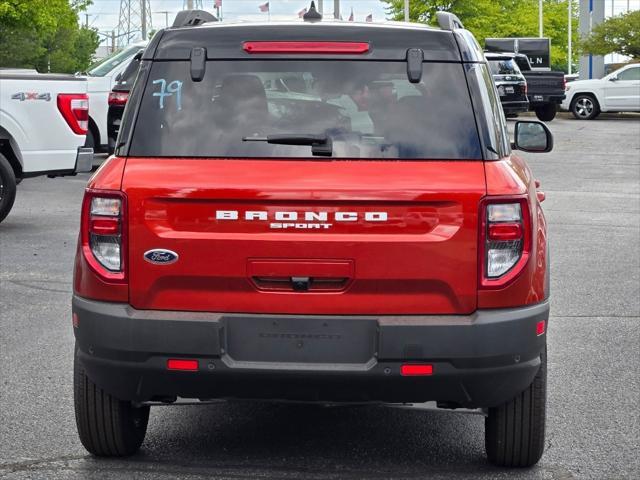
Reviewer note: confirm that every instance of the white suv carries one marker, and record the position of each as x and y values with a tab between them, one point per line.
617	92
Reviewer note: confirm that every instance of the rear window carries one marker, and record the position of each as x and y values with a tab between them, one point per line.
504	67
368	109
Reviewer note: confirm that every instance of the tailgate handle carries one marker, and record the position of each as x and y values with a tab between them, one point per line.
300	275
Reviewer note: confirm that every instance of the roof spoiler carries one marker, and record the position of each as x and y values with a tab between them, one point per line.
191	18
448	21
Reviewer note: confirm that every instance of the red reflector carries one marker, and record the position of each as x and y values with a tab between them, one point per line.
416	370
180	364
353	48
105	226
75	320
505	231
541	327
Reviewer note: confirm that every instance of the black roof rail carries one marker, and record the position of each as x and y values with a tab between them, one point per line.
448	21
191	18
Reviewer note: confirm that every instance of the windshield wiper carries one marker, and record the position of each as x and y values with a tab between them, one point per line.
321	145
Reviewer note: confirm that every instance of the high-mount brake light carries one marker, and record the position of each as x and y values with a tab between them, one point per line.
346	48
118	98
505	240
104	233
74	108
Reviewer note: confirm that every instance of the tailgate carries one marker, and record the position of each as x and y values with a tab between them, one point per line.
301	236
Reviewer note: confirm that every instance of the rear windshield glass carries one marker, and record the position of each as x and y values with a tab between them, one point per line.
504	67
368	110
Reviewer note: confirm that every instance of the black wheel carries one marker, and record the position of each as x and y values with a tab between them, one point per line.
90	141
107	427
7	187
546	112
585	107
514	431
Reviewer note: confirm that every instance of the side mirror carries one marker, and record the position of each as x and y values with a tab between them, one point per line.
532	136
613	79
118	77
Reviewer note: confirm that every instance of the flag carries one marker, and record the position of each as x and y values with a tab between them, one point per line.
351	16
218	3
302	12
369	18
264	7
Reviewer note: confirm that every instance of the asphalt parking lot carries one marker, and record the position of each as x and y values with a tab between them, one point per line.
592	183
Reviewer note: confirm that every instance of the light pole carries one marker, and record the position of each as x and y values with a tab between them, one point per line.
166	17
406	10
569	43
540	18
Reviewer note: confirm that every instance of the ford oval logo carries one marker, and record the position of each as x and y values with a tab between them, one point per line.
160	256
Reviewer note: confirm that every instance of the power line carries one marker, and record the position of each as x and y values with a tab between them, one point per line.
135	16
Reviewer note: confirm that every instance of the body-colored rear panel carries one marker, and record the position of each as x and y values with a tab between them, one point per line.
374	237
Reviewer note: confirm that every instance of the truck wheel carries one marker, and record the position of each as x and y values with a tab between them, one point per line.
546	112
7	187
107	427
514	431
585	107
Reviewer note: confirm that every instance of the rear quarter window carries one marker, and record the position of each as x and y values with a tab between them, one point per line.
369	110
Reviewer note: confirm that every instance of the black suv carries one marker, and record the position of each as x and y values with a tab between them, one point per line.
510	82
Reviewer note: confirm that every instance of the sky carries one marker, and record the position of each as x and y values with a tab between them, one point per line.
103	14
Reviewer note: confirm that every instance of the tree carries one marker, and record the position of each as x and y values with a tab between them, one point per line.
500	18
619	34
44	34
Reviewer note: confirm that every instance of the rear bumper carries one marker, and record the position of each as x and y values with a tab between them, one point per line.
537	100
514	106
479	360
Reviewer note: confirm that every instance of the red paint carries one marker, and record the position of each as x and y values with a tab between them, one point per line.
416	370
349	48
423	260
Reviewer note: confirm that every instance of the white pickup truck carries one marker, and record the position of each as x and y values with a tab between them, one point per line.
102	77
43	126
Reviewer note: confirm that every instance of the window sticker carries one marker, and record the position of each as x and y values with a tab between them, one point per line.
167	90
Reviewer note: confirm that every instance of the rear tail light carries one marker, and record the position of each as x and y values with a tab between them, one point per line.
104	233
118	98
75	110
505	240
526	88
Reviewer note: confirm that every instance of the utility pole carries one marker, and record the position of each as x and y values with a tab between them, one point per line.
319	6
113	41
406	10
570	53
86	20
166	17
135	16
143	20
336	9
540	18
189	4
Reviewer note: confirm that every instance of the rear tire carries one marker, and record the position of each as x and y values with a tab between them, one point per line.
546	112
7	187
514	431
107	427
585	107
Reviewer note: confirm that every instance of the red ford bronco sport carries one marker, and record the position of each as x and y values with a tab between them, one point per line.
315	211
